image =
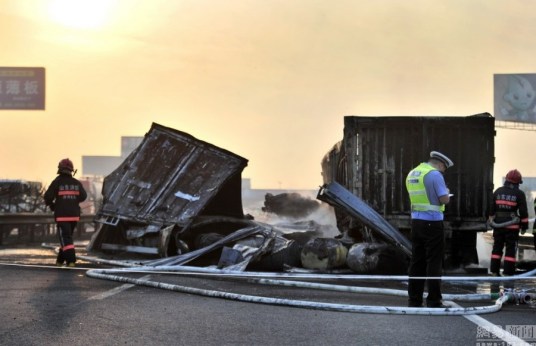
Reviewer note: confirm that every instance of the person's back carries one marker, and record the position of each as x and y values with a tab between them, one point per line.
428	195
508	215
63	196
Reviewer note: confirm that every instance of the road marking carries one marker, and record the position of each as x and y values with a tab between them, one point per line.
116	290
501	333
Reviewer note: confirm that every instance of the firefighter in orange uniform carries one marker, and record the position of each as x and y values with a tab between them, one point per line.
509	203
63	196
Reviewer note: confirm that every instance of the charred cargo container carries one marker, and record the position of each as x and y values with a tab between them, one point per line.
166	188
376	154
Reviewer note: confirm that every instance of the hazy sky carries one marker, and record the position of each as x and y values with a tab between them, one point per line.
268	80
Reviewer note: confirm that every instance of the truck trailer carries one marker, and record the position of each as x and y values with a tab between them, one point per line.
376	153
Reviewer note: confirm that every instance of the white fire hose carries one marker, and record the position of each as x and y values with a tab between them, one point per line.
260	277
263	278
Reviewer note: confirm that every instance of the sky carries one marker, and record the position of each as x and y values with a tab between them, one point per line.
269	80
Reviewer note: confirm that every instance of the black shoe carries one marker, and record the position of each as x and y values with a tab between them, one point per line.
415	305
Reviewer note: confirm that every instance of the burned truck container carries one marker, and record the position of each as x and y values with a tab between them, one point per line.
376	154
168	185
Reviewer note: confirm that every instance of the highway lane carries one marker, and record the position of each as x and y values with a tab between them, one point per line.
45	305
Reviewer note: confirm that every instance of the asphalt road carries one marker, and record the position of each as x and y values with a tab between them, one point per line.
45	305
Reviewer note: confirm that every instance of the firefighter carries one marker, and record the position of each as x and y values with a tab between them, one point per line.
428	195
63	197
508	216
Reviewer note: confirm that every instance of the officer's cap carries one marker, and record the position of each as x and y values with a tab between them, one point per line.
438	156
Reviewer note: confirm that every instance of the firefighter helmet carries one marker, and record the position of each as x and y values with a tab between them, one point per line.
65	166
514	177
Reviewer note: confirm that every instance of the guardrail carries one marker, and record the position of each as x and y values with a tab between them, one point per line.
36	218
30	225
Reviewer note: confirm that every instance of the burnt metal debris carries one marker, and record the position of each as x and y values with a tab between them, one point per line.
336	195
179	198
152	200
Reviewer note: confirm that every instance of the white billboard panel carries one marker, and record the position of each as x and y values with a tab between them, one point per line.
515	97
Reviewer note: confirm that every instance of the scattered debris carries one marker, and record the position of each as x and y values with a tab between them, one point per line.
376	258
323	253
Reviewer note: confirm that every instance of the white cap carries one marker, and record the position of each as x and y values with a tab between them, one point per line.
438	156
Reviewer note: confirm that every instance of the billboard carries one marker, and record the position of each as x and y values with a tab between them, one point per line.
22	88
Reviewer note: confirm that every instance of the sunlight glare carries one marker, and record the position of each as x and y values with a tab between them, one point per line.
82	14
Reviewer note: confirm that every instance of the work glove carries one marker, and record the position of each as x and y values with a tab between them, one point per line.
52	206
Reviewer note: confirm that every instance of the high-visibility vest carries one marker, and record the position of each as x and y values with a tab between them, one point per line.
417	190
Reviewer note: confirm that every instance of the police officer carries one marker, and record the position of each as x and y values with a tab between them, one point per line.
428	195
509	203
63	197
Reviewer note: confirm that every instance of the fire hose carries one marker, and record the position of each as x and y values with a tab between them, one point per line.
508	295
259	277
514	221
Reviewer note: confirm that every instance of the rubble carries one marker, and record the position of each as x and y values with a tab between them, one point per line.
178	199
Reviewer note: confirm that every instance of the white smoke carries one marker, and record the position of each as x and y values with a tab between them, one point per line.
484	245
323	216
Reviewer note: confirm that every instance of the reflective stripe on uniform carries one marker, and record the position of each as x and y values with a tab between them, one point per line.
423	207
67	218
68	247
503	202
69	193
509	259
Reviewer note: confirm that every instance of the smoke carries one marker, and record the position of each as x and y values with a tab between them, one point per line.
323	215
484	245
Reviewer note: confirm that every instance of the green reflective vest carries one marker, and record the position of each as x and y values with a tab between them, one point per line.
417	191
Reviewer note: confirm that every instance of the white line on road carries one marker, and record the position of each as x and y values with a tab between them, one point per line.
116	290
492	328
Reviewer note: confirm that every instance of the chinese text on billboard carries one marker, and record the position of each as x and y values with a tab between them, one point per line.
22	88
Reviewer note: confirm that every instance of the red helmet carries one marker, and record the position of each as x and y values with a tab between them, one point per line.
65	165
514	177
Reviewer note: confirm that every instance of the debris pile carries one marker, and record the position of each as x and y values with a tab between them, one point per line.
178	199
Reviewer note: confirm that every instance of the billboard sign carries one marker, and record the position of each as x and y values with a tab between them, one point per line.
22	88
515	97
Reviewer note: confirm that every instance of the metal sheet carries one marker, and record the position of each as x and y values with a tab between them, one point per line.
170	178
336	195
